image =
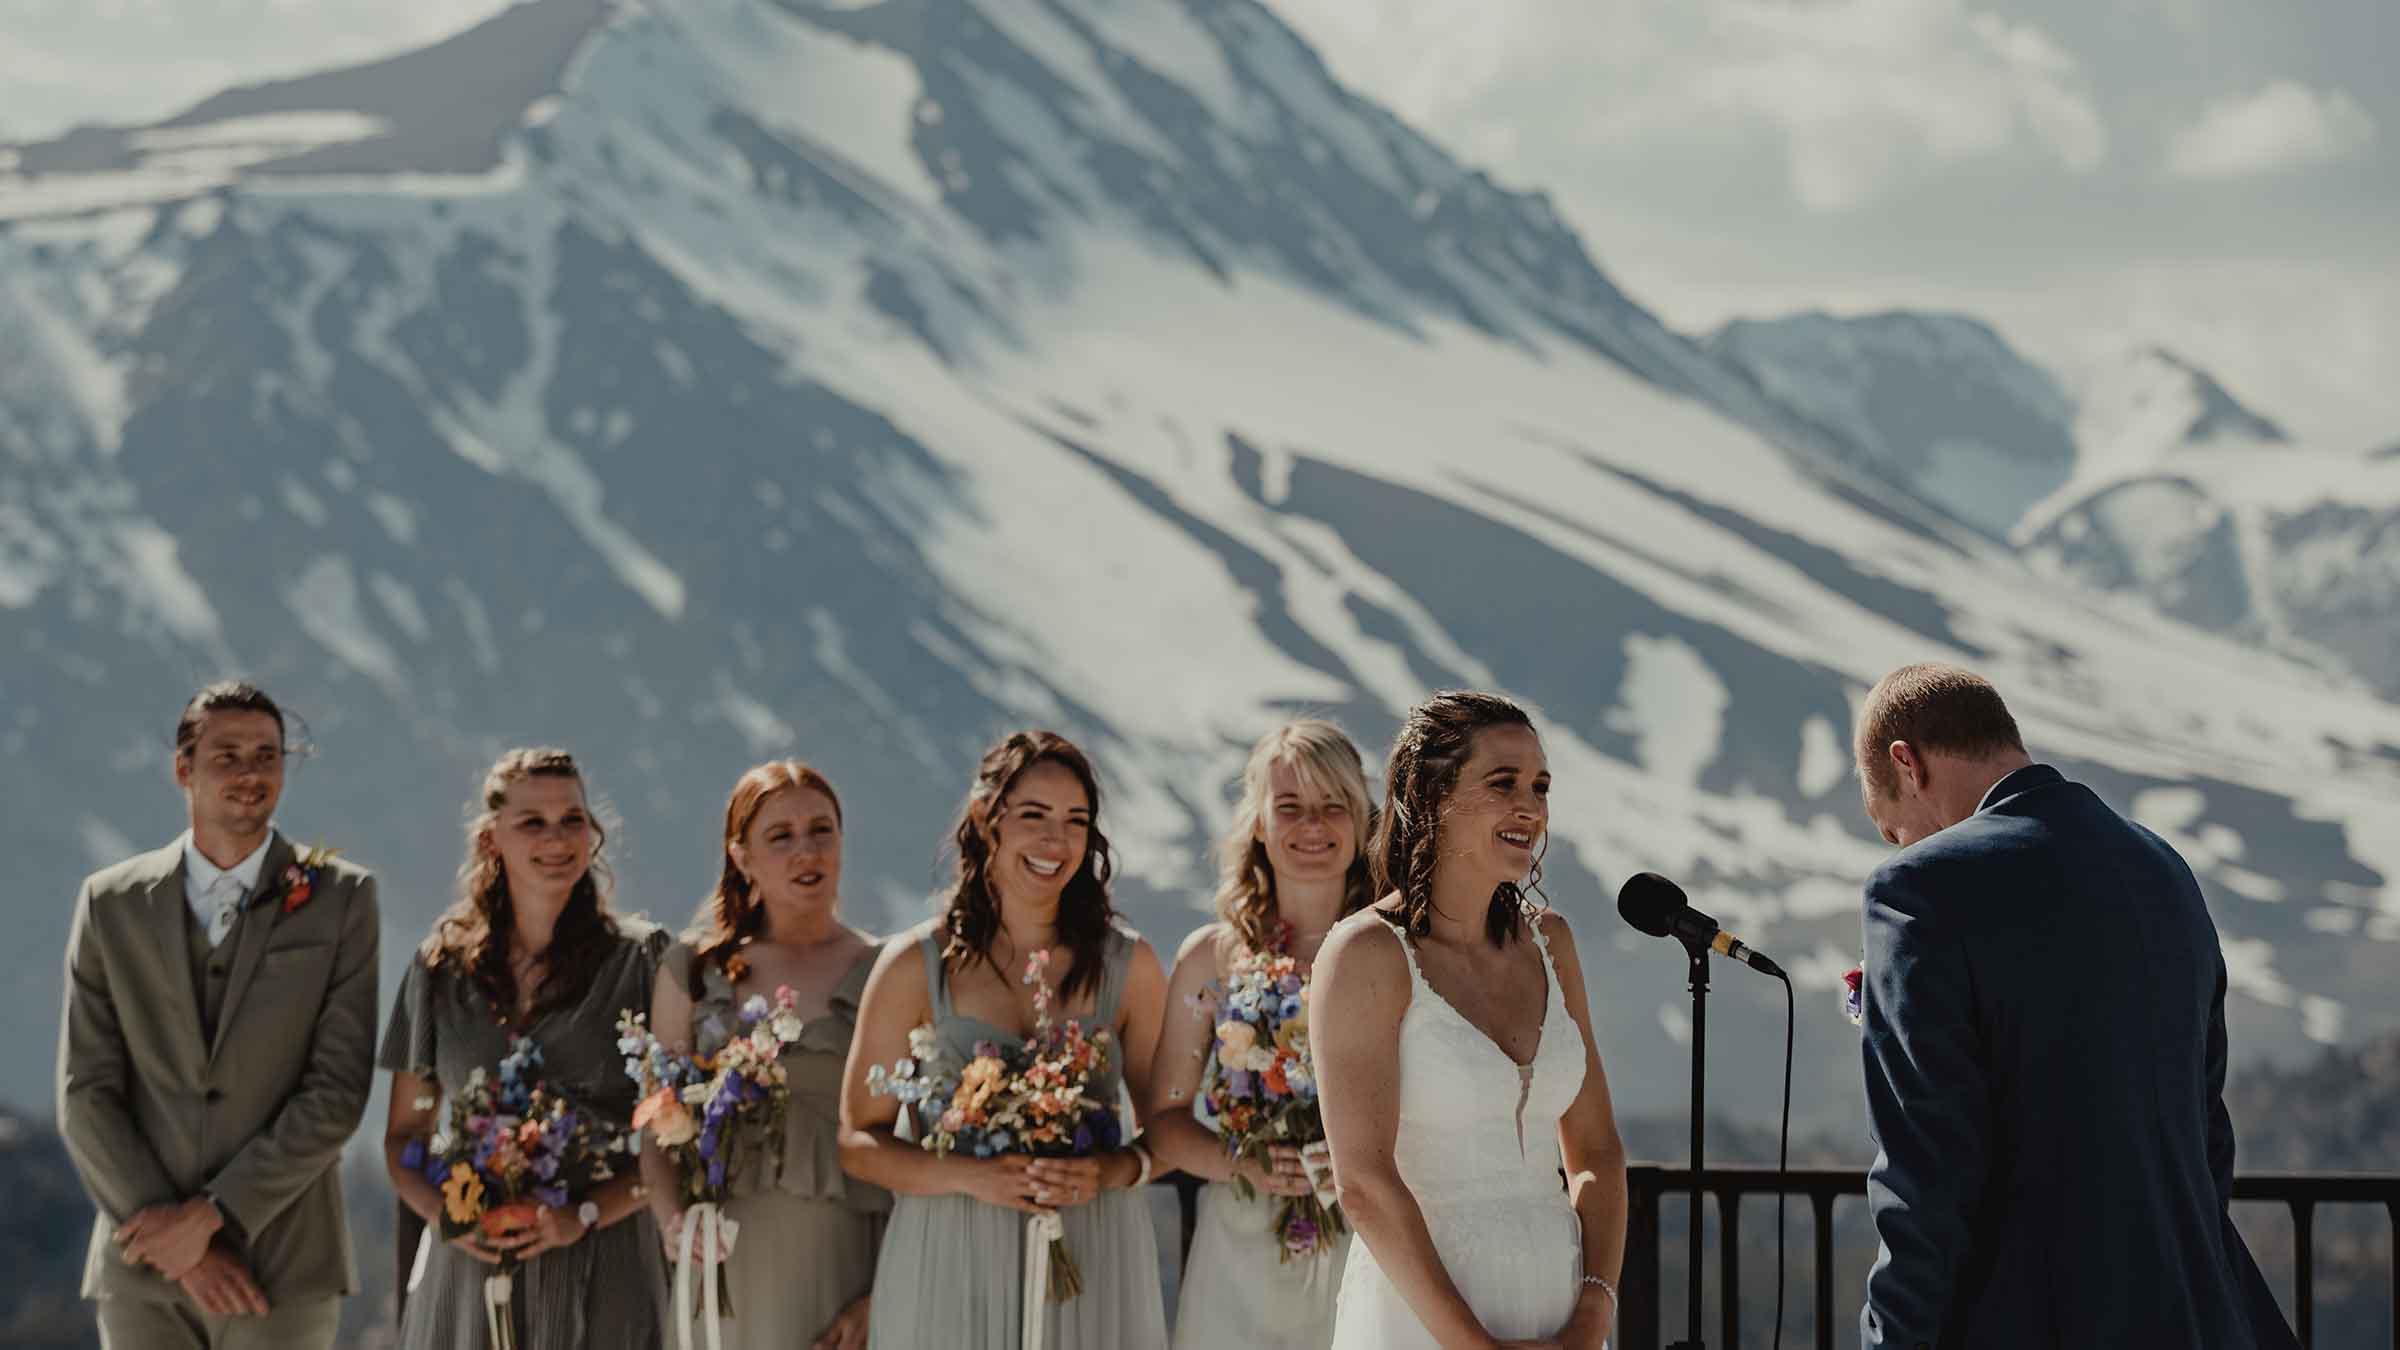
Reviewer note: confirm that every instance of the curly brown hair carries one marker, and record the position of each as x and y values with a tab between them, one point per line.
1085	913
471	937
731	915
1436	739
1328	764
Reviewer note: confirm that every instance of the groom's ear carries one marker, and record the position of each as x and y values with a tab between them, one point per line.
1908	768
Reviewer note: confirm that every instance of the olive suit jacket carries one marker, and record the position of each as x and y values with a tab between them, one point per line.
155	1109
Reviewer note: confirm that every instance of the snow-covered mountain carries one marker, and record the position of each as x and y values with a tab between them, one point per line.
2137	474
688	381
1940	402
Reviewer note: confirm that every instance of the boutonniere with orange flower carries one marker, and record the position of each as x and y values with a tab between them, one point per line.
300	879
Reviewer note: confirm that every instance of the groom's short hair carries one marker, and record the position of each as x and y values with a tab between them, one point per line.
223	696
1936	708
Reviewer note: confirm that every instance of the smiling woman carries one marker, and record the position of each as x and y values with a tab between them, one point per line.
1458	1245
1031	893
529	949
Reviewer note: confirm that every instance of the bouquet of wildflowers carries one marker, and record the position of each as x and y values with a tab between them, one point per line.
1035	1098
1260	1088
708	1111
510	1146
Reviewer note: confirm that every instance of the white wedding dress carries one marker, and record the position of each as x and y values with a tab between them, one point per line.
1478	1147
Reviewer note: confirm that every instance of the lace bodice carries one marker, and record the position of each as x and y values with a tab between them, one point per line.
1474	1124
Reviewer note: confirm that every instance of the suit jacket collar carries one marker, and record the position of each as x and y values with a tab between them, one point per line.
2022	780
165	915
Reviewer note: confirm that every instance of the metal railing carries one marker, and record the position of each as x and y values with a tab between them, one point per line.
1638	1327
1638	1324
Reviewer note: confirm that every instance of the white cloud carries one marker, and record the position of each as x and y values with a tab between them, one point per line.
1857	95
2282	126
1865	91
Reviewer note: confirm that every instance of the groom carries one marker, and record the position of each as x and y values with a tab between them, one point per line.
217	1051
2045	1054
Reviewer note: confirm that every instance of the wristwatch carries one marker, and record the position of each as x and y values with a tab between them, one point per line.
588	1214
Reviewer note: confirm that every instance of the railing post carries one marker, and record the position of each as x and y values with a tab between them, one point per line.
2304	1270
1822	1200
1729	1260
1637	1287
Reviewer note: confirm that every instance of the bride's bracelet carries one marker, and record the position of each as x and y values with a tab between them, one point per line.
1142	1152
1605	1287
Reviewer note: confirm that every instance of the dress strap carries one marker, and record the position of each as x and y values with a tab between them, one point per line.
937	980
1533	922
1416	973
1116	960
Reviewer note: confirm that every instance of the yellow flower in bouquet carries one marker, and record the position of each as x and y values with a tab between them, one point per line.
462	1194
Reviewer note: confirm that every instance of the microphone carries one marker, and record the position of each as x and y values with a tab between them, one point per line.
1658	907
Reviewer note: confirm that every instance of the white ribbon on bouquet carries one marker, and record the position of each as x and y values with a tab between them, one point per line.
1042	1227
496	1292
707	1236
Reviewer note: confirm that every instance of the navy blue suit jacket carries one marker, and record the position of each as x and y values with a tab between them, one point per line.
2045	1072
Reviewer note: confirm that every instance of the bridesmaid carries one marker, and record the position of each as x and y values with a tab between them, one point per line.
1033	873
803	1261
1293	863
529	948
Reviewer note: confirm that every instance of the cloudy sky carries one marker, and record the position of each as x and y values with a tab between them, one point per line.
2218	176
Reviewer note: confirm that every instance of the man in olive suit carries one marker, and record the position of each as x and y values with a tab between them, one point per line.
217	1049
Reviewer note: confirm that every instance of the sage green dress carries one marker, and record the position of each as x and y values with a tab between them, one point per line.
952	1270
605	1291
806	1245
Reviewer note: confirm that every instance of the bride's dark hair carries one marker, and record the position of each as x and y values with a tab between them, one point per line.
1434	743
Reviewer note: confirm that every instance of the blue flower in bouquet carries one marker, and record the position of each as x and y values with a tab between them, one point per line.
1290	1009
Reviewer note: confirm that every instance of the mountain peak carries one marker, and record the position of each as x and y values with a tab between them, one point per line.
1938	401
447	108
2220	415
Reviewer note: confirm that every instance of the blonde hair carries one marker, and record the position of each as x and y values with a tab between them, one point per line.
1327	764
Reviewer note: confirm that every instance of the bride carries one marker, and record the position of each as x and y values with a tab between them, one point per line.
1449	1169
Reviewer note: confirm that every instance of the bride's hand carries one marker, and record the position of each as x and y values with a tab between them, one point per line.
1595	1316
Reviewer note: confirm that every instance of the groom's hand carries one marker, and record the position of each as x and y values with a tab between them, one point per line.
172	1238
222	1285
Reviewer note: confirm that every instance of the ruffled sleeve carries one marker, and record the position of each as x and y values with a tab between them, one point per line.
812	1164
408	1039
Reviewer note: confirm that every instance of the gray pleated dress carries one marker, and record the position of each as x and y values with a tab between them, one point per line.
605	1291
952	1267
808	1236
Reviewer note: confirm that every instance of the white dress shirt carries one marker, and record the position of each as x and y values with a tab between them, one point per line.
216	894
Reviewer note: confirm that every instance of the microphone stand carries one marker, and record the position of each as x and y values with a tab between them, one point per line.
1698	952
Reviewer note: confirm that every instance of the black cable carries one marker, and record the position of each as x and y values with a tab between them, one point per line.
1783	1153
